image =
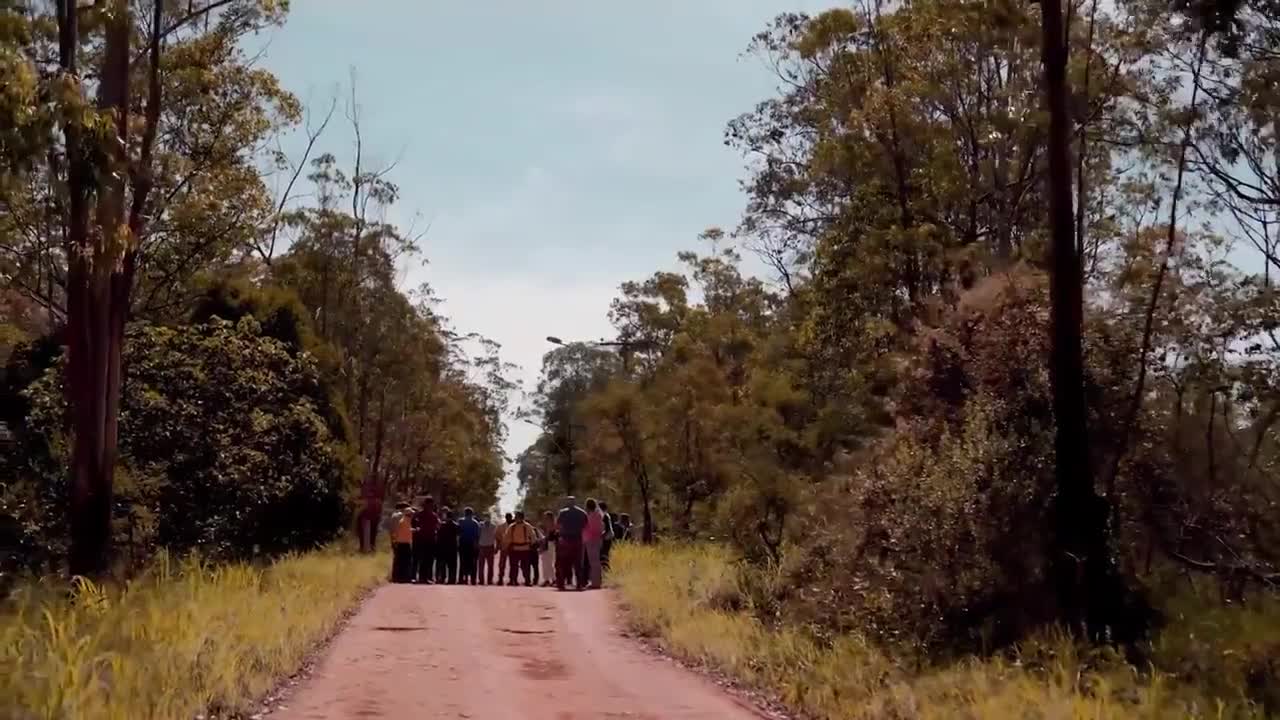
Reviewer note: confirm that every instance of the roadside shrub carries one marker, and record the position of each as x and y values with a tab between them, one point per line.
939	542
849	676
937	538
223	447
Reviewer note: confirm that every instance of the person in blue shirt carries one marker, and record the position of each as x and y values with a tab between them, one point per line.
468	547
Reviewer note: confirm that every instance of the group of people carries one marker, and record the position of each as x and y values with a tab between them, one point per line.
569	548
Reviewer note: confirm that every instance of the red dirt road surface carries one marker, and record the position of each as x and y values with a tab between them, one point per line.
502	653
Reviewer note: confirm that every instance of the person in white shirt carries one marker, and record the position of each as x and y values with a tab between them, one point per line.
547	557
488	549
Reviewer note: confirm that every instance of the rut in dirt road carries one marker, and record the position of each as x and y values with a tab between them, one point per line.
500	653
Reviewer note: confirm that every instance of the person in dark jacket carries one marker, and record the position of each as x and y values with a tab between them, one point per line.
447	548
622	532
608	535
425	524
468	546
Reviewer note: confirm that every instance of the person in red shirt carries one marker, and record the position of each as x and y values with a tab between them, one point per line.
569	525
592	541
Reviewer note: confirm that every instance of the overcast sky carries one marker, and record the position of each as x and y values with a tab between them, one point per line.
556	147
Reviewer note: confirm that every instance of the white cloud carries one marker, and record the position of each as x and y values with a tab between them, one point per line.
519	311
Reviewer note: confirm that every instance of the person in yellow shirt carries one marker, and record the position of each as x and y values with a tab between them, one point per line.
521	538
402	544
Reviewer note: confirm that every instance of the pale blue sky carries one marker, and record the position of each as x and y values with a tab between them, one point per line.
557	147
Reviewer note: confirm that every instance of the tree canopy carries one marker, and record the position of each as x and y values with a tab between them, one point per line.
269	382
878	416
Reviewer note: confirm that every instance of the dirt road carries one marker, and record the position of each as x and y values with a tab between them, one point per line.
502	653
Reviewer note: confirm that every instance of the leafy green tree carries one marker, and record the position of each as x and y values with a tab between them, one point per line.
129	169
225	445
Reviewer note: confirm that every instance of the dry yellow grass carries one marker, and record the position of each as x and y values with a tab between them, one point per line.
676	594
182	640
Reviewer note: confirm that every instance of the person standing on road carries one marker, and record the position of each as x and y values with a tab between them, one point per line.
539	542
488	549
468	546
547	557
569	525
592	540
447	548
521	538
606	542
502	548
425	524
402	544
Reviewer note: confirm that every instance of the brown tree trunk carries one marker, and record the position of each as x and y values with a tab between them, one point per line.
374	487
1080	553
98	279
646	534
102	259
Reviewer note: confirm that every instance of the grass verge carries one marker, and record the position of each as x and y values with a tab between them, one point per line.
182	640
1209	665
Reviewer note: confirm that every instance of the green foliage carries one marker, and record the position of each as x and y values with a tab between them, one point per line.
224	446
333	387
877	428
280	314
698	601
209	201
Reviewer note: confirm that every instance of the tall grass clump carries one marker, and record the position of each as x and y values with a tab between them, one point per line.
697	601
183	639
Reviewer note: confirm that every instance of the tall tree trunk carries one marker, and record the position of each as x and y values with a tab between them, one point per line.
98	278
102	260
1080	553
374	488
646	534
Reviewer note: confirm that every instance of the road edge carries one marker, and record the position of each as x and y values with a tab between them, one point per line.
284	689
759	701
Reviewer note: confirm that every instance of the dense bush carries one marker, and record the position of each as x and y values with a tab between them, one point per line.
224	447
943	531
701	603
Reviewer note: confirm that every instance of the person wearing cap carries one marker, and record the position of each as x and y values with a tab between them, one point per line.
570	523
401	543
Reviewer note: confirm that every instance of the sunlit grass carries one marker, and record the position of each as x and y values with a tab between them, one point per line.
183	639
679	594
